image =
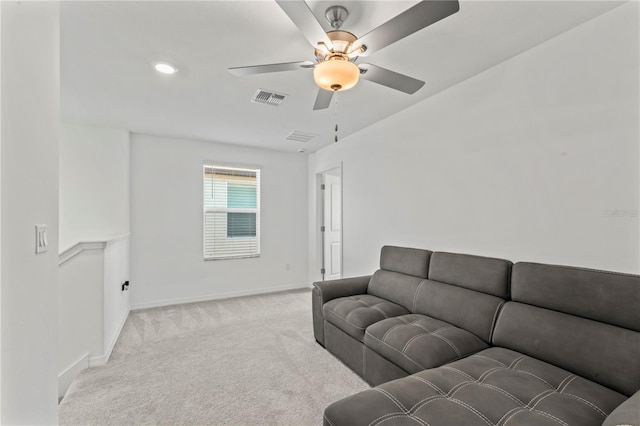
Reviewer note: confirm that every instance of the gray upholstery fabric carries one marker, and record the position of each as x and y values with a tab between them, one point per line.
404	260
353	314
467	309
347	349
484	274
394	286
329	290
566	349
378	369
416	342
627	413
494	387
604	353
602	296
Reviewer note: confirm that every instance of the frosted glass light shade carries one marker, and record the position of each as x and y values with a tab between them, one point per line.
336	74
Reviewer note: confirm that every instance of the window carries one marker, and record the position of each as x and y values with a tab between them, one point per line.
231	212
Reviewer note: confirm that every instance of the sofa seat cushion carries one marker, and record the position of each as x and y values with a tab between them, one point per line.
417	342
353	314
494	387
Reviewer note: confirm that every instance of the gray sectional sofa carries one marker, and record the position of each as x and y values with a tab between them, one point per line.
455	339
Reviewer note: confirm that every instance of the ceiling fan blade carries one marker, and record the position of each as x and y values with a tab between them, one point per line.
298	11
262	69
408	22
389	78
323	99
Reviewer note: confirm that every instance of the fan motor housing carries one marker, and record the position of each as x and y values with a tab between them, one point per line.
341	40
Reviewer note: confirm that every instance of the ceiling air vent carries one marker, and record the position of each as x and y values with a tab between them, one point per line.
267	97
298	136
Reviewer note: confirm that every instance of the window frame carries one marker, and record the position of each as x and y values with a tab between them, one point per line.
257	210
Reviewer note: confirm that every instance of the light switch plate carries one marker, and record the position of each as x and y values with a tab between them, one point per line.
42	243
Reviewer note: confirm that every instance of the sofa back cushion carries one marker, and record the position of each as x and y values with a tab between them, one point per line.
401	272
608	297
408	261
584	321
484	274
464	290
600	352
395	287
471	310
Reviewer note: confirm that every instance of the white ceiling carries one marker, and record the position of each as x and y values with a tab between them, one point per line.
107	49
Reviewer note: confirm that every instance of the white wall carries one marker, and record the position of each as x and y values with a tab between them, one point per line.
80	314
522	161
92	307
116	301
167	263
30	121
94	207
94	183
0	221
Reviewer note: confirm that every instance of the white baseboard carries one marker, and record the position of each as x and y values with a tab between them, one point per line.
95	361
159	303
66	377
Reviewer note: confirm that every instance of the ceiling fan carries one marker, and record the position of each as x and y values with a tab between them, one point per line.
337	51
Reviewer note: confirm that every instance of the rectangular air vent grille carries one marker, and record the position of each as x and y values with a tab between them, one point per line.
267	97
298	136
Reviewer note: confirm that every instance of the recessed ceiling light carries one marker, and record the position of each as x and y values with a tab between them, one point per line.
165	68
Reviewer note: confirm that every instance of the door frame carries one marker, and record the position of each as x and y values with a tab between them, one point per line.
320	261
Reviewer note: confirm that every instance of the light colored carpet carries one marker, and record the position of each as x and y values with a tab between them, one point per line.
243	361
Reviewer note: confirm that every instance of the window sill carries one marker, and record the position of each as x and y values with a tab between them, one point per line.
215	259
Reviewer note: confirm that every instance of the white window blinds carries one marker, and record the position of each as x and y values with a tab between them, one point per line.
231	212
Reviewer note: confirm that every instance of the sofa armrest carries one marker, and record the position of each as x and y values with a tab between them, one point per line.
323	291
329	290
627	413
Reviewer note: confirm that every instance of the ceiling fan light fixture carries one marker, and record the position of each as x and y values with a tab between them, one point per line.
336	74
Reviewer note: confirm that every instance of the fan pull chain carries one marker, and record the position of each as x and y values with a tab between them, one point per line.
335	139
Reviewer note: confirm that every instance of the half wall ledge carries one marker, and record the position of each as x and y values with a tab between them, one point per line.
92	244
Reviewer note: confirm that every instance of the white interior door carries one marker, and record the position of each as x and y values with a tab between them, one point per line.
332	235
